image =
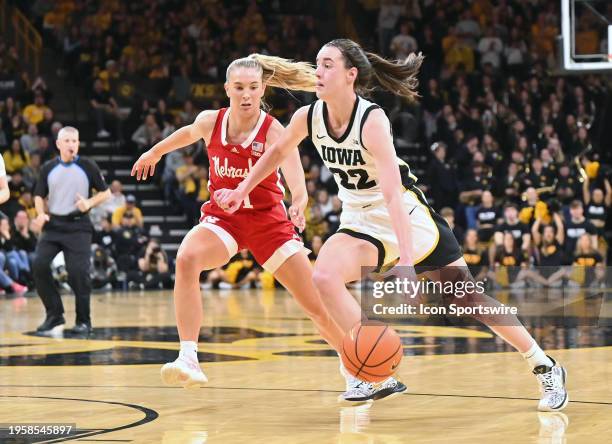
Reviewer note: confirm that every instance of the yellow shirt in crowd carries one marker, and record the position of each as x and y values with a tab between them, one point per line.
119	212
34	113
15	162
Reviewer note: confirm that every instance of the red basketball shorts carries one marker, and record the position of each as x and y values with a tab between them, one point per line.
268	234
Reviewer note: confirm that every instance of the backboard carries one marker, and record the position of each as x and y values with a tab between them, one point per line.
586	36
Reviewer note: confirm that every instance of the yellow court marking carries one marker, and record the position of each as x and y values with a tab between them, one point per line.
456	391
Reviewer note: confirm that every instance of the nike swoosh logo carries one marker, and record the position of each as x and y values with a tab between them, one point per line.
320	137
393	367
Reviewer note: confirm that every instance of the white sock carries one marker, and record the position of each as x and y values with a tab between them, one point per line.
535	356
342	369
189	350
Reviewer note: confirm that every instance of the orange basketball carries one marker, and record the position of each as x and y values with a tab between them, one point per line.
372	352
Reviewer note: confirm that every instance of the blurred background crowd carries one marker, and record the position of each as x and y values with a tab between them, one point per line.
514	155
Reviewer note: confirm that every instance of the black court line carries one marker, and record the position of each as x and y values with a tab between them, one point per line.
150	415
273	389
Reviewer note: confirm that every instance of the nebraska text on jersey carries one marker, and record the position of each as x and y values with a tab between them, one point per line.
224	170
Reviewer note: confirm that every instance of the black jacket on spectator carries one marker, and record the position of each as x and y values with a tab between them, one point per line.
6	244
544	179
128	242
598	212
564	183
517	229
589	261
22	243
475	259
487	216
482	182
443	184
550	255
102	97
105	239
573	231
513	260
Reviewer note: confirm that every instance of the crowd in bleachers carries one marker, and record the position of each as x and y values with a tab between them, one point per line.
27	136
511	146
131	69
514	167
28	133
144	82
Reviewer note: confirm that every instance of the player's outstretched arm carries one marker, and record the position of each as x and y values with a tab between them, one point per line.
184	136
377	139
296	131
293	172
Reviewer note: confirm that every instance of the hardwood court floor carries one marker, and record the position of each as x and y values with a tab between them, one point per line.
272	380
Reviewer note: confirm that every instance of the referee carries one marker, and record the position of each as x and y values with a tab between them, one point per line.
67	182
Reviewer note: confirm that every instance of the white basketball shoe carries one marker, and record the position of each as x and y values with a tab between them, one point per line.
183	371
362	391
552	382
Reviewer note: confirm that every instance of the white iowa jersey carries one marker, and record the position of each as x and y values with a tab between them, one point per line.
350	162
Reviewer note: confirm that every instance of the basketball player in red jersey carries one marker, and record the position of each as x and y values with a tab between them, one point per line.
236	137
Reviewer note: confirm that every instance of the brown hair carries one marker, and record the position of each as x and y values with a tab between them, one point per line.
398	77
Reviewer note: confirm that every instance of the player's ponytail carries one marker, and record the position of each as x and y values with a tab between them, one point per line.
279	72
286	74
398	77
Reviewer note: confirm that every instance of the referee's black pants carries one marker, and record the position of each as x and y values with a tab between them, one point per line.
73	237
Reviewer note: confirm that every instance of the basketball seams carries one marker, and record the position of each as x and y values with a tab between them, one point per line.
399	346
377	341
357	342
349	361
371	349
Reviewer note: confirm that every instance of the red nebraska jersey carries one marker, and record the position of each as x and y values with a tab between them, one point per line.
230	164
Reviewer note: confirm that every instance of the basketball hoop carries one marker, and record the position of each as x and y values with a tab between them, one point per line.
572	61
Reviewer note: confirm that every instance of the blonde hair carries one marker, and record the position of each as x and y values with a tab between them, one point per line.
579	250
278	72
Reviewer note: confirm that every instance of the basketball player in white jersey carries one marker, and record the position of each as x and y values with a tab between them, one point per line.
236	137
385	217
